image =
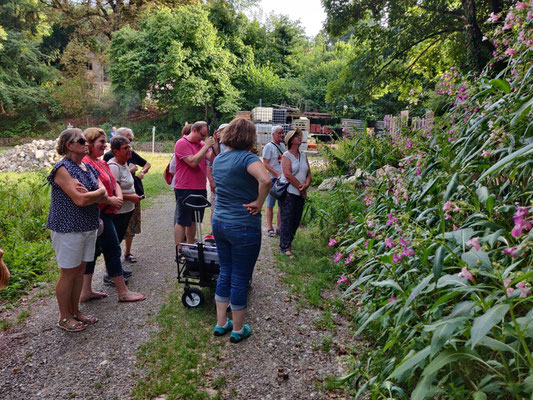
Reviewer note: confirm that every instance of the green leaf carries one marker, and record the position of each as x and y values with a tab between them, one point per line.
410	364
447	357
494	344
442	334
528	384
461	236
377	314
524	151
452	187
424	389
490	204
418	289
482	194
388	283
477	259
491	239
438	262
522	111
479	395
483	324
501	85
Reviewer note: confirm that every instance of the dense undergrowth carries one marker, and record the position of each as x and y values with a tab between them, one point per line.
439	263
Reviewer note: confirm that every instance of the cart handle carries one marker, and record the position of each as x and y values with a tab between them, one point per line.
190	197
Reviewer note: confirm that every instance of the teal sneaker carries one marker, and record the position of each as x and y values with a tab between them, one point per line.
237	337
222	330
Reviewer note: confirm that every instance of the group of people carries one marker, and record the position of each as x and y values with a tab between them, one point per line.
239	183
94	206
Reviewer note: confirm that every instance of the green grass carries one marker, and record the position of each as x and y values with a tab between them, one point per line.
179	356
312	271
2	149
153	182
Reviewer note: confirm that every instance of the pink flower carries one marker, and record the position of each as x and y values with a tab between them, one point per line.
447	206
521	285
466	274
408	144
456	208
359	304
404	242
524	292
371	234
511	252
391	299
348	259
521	6
389	242
342	279
351	220
338	257
520	222
447	216
408	252
509	291
455	227
391	220
366	243
396	258
332	242
485	154
507	26
510	52
418	172
474	242
493	17
506	282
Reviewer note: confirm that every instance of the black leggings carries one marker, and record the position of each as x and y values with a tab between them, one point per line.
291	209
121	224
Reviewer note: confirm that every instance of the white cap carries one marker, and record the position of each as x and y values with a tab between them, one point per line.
222	126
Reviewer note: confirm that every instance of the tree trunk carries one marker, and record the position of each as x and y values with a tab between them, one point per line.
474	35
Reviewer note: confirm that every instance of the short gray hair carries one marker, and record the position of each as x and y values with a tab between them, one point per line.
123	131
68	135
276	128
118	141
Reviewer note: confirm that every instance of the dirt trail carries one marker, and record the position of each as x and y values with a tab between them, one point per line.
282	360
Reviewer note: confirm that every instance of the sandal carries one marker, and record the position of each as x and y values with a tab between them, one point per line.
287	253
271	232
222	330
86	319
130	258
70	324
235	337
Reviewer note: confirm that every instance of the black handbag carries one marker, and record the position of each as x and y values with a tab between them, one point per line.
278	188
138	185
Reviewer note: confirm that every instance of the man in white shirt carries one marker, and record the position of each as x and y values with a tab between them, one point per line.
272	153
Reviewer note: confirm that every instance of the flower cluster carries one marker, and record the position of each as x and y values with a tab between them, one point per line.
520	286
521	223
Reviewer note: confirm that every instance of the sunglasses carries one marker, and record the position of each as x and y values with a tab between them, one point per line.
80	140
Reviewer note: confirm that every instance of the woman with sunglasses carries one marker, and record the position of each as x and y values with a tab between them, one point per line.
73	224
108	242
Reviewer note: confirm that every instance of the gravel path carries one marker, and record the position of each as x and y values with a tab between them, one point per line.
40	361
284	359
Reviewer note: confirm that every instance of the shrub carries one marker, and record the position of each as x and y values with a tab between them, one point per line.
441	259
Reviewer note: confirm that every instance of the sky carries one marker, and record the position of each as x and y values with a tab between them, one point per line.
309	12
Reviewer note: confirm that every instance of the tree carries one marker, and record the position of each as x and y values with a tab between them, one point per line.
400	40
177	60
23	68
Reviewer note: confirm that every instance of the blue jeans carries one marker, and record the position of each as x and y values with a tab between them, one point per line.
108	244
238	248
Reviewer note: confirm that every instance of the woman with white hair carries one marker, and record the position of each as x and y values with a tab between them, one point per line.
135	161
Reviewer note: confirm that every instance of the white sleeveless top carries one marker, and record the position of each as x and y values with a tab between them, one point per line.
299	169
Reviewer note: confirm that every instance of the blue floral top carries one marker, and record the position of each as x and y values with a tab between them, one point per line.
65	216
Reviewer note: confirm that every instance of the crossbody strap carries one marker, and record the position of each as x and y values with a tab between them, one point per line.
277	147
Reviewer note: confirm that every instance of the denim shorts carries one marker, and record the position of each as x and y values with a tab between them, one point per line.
238	248
184	215
270	201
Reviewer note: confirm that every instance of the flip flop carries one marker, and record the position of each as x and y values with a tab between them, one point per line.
271	232
130	258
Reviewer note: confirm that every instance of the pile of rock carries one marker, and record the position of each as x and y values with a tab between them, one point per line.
30	156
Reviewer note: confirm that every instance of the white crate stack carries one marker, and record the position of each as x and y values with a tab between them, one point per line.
262	114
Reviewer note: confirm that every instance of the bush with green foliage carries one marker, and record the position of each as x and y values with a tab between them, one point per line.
24	202
439	264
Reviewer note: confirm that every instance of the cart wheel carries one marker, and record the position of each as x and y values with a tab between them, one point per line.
192	298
